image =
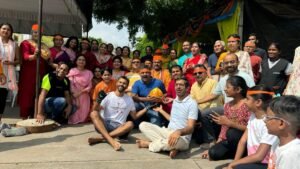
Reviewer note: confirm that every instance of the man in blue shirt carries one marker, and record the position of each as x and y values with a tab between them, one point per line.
186	47
141	90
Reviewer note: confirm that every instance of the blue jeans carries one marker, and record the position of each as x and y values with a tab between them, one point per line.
54	107
153	116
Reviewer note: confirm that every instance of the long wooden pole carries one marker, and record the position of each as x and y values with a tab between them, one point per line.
37	79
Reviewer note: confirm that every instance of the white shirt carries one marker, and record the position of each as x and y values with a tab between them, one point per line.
219	90
181	112
117	108
286	156
258	134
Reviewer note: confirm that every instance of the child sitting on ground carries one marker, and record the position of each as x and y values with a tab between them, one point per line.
256	136
233	122
283	120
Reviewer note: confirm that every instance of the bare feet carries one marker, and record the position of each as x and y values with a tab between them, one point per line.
95	140
142	143
173	153
205	155
116	145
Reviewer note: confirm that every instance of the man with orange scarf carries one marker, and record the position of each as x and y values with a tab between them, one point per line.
158	72
27	83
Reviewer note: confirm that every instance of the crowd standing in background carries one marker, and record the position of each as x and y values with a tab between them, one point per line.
235	96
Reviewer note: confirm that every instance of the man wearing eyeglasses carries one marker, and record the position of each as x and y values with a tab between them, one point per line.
205	86
230	63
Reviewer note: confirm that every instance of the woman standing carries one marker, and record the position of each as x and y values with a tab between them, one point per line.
9	56
174	60
81	85
70	48
126	58
85	50
27	82
117	68
198	58
103	60
275	70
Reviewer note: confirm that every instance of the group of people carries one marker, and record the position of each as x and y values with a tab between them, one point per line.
230	101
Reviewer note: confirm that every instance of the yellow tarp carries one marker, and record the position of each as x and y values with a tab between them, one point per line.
230	25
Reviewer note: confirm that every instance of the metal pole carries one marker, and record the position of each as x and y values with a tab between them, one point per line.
37	79
241	21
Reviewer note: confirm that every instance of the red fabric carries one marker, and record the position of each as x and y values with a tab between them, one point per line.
255	64
54	52
172	94
108	64
240	115
191	62
90	60
27	79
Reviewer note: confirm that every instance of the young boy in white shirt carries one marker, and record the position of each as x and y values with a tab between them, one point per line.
283	120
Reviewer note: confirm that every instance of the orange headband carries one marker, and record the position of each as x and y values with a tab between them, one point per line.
157	57
251	92
233	39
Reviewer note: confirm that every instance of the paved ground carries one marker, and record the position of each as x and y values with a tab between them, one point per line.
67	147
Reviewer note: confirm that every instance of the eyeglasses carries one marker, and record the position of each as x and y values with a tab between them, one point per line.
136	62
267	118
198	73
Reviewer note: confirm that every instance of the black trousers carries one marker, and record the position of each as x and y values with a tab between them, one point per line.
252	166
226	149
3	97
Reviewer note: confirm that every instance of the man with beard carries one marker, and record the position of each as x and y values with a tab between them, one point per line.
233	46
112	123
141	90
177	136
230	63
55	99
159	72
186	47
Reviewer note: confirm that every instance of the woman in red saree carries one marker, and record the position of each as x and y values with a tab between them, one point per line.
102	58
81	85
28	73
189	64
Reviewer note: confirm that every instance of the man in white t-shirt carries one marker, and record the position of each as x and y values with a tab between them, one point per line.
183	117
112	122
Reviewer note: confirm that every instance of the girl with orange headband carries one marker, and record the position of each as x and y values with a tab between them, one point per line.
256	137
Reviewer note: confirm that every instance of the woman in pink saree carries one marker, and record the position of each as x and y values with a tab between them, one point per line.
81	84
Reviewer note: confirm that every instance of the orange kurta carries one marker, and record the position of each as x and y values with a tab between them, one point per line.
105	87
163	75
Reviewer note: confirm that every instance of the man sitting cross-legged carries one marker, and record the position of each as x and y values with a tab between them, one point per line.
116	107
183	117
